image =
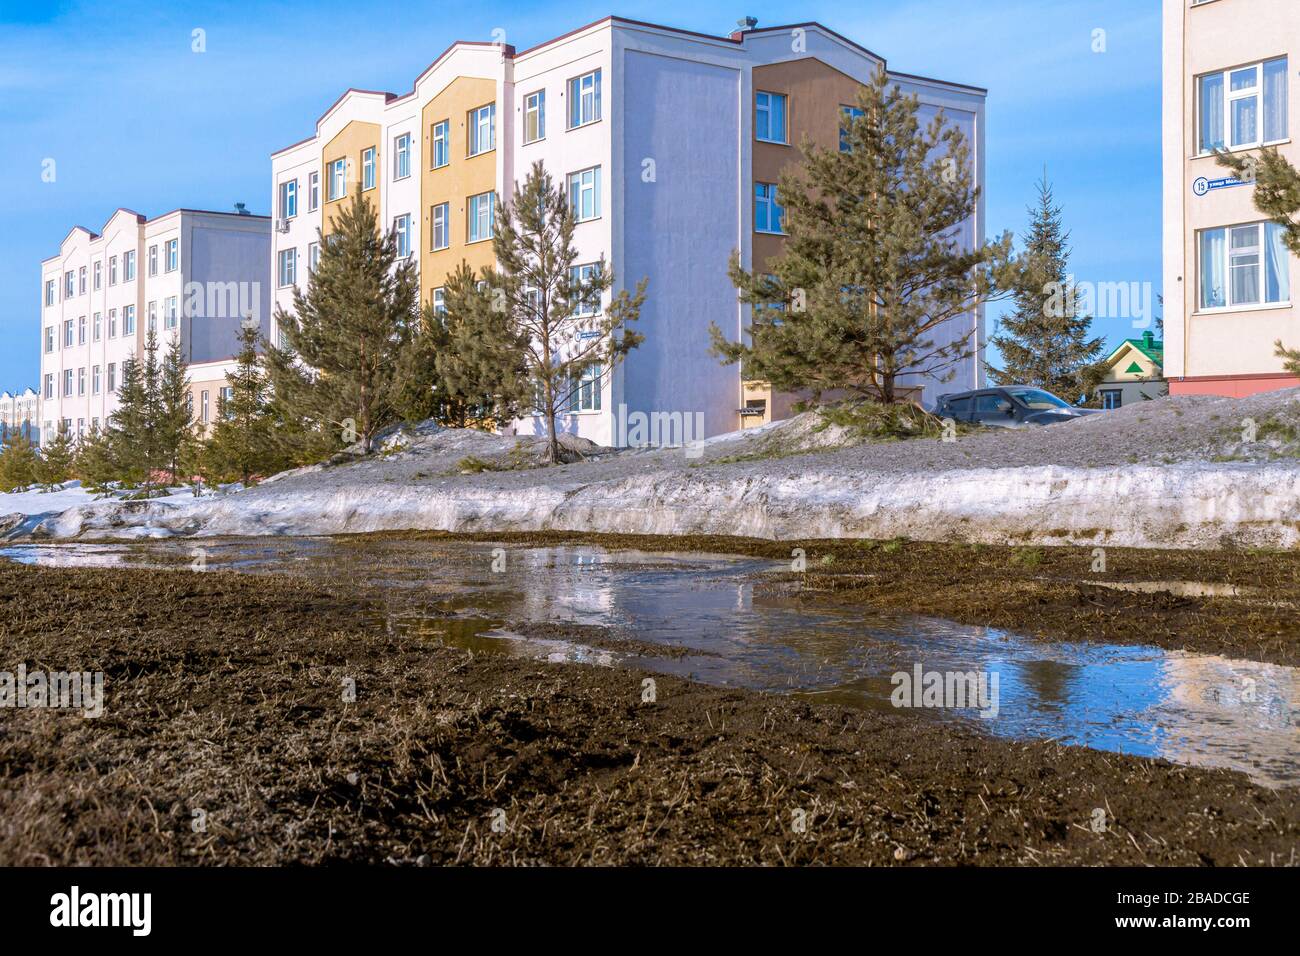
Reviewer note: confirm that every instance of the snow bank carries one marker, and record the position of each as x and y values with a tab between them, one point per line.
1188	505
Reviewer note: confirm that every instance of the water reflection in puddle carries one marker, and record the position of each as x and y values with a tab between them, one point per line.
1197	709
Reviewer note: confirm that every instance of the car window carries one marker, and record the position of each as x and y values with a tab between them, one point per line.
990	403
958	404
1037	399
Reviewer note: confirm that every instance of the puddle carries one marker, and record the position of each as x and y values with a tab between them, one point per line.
1196	709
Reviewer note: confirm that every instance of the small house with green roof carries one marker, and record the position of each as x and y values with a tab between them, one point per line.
1134	372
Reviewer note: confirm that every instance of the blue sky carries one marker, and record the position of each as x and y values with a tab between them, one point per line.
132	117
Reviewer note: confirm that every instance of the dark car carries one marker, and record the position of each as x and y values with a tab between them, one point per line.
1008	406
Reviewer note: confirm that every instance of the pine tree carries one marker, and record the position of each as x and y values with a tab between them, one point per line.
18	462
242	443
174	413
95	464
133	427
479	357
55	464
536	293
873	275
337	372
1045	339
1277	195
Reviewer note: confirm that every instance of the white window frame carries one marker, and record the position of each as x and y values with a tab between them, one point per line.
482	120
95	382
582	273
313	256
402	156
97	327
128	266
773	202
474	216
286	269
440	144
81	330
535	109
68	334
584	183
1231	96
81	281
1227	265
338	180
313	192
764	100
402	228
369	170
172	255
112	271
112	377
439	299
96	275
289	199
128	320
440	226
584	100
586	396
171	312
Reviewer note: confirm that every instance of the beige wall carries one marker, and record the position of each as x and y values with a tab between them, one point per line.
1224	352
353	140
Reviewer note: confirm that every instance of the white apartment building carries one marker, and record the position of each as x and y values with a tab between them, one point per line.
20	411
669	144
189	274
1229	70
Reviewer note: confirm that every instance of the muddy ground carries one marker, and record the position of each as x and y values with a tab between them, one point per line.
227	739
1049	593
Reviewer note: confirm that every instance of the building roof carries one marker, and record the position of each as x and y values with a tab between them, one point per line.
1148	345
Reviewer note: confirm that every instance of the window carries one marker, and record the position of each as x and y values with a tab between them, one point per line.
288	267
368	168
289	199
81	330
49	290
49	338
480	220
173	312
203	405
441	152
94	380
534	117
228	396
579	275
81	281
439	223
112	270
1244	107
584	194
584	99
586	396
173	255
402	226
482	129
1112	398
81	381
95	272
440	301
112	323
67	383
81	424
67	333
768	214
153	260
1243	265
769	117
68	284
112	376
49	384
152	313
847	115
128	320
338	179
128	267
402	156
313	192
313	256
97	327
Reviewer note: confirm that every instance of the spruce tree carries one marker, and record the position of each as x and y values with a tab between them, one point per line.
133	426
337	374
1045	340
18	462
543	317
242	442
95	464
55	464
873	275
175	412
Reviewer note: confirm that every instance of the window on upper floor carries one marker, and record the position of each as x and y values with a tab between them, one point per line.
287	272
402	156
173	255
768	214
112	323
313	256
49	338
112	376
49	384
112	271
153	260
49	291
128	320
69	278
97	327
338	179
402	230
847	115
369	174
482	129
439	231
151	317
439	301
81	330
313	192
68	333
584	194
1244	265
128	267
586	390
289	199
769	117
584	99
480	217
1242	107
95	275
81	281
440	153
534	117
578	275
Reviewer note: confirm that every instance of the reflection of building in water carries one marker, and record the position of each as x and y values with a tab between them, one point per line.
567	584
1229	705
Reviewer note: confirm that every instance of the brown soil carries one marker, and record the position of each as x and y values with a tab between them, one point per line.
224	694
1049	593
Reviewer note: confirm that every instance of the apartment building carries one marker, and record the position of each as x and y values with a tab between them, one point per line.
1229	75
19	412
189	274
669	144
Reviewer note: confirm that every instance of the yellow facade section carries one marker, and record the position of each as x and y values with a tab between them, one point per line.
350	145
454	182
